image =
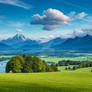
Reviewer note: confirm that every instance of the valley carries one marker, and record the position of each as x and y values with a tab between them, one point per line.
45	45
49	56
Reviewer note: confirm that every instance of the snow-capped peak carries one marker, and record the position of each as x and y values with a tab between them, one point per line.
19	37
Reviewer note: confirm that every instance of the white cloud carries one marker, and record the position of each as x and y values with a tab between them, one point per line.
82	32
19	30
80	15
17	3
78	32
74	16
53	36
51	19
88	19
46	38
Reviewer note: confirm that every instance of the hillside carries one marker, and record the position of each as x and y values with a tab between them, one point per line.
46	82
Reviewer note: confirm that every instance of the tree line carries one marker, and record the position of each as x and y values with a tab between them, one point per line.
28	64
77	64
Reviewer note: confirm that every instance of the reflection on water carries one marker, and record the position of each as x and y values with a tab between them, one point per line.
3	66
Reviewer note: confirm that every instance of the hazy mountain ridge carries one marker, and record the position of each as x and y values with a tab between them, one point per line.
20	42
5	46
52	43
76	43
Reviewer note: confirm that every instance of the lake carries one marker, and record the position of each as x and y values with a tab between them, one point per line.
3	66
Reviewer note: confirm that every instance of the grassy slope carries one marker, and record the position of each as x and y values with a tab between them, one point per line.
46	82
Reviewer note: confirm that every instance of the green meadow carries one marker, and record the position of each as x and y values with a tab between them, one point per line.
46	82
56	59
79	80
87	69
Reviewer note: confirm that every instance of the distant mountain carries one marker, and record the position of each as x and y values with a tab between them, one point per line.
19	41
30	44
4	46
52	43
76	43
18	38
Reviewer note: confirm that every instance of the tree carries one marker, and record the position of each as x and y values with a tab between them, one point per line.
27	67
38	64
66	68
53	67
74	67
20	58
69	68
15	65
91	70
28	64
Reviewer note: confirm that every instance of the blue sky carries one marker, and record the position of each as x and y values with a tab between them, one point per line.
68	17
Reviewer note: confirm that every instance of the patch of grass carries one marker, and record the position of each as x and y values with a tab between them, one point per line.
46	82
89	69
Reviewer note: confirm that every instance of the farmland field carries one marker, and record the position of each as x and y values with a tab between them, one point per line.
87	69
56	59
46	82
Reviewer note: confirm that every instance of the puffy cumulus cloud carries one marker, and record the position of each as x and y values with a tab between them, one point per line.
51	19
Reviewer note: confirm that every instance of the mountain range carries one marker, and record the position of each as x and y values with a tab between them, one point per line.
20	42
76	43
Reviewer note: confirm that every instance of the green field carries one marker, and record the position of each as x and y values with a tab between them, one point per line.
46	82
62	68
56	59
89	69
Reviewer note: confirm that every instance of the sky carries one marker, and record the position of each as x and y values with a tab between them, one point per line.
45	19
